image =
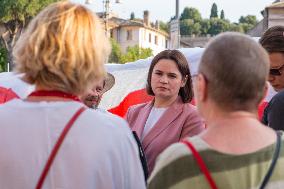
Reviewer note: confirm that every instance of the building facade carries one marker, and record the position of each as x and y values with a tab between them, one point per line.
129	33
272	15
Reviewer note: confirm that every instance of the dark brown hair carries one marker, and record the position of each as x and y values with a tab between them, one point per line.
186	92
273	39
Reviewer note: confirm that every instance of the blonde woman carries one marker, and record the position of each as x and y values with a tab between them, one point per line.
62	53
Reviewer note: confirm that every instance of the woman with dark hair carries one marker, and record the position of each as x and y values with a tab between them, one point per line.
169	117
235	150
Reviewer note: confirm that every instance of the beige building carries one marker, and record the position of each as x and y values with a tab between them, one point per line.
272	15
139	32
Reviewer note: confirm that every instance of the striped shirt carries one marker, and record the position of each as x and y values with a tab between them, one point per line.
176	168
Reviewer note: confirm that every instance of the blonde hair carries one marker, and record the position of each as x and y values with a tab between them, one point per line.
63	48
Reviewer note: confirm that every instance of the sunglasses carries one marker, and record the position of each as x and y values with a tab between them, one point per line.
276	71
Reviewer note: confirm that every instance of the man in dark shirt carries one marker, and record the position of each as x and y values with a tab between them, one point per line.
273	42
274	112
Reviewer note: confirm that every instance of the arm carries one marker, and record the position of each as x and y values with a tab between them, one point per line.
275	113
193	124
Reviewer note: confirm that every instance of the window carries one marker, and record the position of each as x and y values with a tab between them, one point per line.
156	40
129	35
166	44
149	38
111	33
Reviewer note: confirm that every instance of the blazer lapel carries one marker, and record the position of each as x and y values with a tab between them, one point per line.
141	120
164	122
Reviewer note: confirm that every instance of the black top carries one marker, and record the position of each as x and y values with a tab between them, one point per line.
273	115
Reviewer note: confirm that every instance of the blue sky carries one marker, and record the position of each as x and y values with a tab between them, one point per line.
164	9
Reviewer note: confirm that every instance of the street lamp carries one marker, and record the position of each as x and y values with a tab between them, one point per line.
106	5
175	30
177	17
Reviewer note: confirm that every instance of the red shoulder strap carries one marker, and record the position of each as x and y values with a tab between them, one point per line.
201	164
56	147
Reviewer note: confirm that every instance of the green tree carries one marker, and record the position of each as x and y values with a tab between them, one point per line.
188	27
236	28
14	15
135	53
132	16
218	25
247	22
191	13
214	11
205	26
164	26
115	54
3	59
246	27
249	19
222	16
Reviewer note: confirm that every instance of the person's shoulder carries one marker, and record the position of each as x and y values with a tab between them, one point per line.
135	109
138	106
279	97
176	153
178	150
107	121
190	110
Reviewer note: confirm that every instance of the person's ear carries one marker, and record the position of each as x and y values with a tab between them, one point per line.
202	87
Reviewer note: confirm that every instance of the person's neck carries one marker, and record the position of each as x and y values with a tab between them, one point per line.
163	102
47	98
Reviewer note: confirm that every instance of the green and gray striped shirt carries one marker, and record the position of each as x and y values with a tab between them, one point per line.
176	168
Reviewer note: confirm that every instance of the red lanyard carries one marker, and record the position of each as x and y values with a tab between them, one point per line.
54	93
57	146
201	164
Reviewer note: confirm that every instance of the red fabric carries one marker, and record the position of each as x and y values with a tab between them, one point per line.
55	93
141	96
201	164
57	146
6	95
261	108
133	98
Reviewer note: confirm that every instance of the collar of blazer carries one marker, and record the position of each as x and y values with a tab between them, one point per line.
163	123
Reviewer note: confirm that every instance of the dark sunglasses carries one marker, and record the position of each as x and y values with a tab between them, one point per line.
276	71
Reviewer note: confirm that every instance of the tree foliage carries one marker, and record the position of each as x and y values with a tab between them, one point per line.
248	22
189	27
218	25
164	26
191	22
214	11
205	26
132	16
132	53
249	19
15	15
222	15
3	59
135	53
115	51
191	13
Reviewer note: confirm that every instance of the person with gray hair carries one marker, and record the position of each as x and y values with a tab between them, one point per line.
236	150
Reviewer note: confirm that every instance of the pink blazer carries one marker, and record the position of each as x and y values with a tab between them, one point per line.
178	121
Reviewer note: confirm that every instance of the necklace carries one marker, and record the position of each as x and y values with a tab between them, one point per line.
54	93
